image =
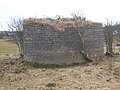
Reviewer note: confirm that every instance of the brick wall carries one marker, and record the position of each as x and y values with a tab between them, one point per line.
44	44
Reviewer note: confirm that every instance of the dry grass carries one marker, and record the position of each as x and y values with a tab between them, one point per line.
7	48
59	24
15	75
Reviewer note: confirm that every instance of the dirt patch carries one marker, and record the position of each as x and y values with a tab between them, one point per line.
105	75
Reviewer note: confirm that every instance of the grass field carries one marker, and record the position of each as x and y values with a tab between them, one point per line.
15	74
8	48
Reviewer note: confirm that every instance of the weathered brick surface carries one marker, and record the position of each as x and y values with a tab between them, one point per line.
44	44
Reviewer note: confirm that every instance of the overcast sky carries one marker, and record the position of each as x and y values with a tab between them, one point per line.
95	10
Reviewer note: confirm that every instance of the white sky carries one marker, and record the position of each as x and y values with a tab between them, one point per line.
95	10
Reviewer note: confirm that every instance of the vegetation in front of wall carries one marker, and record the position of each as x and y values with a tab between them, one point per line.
20	70
25	63
100	58
38	65
117	53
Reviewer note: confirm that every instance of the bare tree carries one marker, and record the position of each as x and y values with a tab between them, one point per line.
108	35
82	48
15	27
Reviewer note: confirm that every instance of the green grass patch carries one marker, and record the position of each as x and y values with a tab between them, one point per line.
20	70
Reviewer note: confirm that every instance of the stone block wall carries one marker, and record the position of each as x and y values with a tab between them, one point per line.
94	40
44	44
